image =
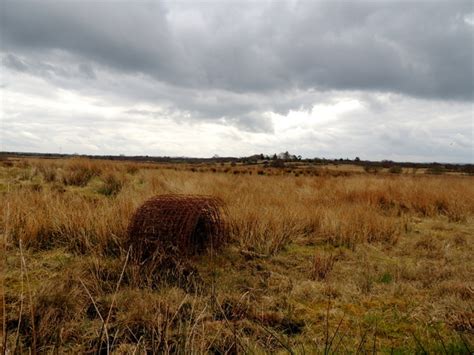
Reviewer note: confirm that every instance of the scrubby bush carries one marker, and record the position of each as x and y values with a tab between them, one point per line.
132	169
49	172
277	163
79	172
395	169
6	163
468	169
435	170
112	184
371	169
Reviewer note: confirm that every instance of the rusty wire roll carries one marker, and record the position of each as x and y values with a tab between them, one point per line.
176	225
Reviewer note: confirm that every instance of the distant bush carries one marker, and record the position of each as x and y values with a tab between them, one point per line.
387	163
277	163
435	170
79	177
79	172
132	169
112	184
371	169
48	172
395	169
468	169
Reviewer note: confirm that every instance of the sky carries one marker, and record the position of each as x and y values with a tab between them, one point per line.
336	79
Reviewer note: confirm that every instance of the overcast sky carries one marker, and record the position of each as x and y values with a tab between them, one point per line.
374	79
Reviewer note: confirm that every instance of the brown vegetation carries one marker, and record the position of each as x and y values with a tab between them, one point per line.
403	245
322	266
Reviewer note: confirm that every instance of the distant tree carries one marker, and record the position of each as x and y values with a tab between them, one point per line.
468	169
357	159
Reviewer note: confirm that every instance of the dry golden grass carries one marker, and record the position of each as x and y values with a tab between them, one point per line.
403	246
322	266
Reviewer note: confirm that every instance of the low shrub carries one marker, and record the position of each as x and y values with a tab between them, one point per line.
48	172
112	184
395	169
132	169
79	172
435	170
371	169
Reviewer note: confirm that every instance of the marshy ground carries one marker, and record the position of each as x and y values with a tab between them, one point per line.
320	260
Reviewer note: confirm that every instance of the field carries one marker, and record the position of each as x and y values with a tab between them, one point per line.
320	260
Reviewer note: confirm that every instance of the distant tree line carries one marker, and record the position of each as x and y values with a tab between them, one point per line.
274	160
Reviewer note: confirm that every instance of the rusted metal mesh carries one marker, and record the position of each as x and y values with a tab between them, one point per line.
177	225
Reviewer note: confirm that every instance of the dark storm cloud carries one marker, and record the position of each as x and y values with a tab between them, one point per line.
414	48
123	36
182	103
